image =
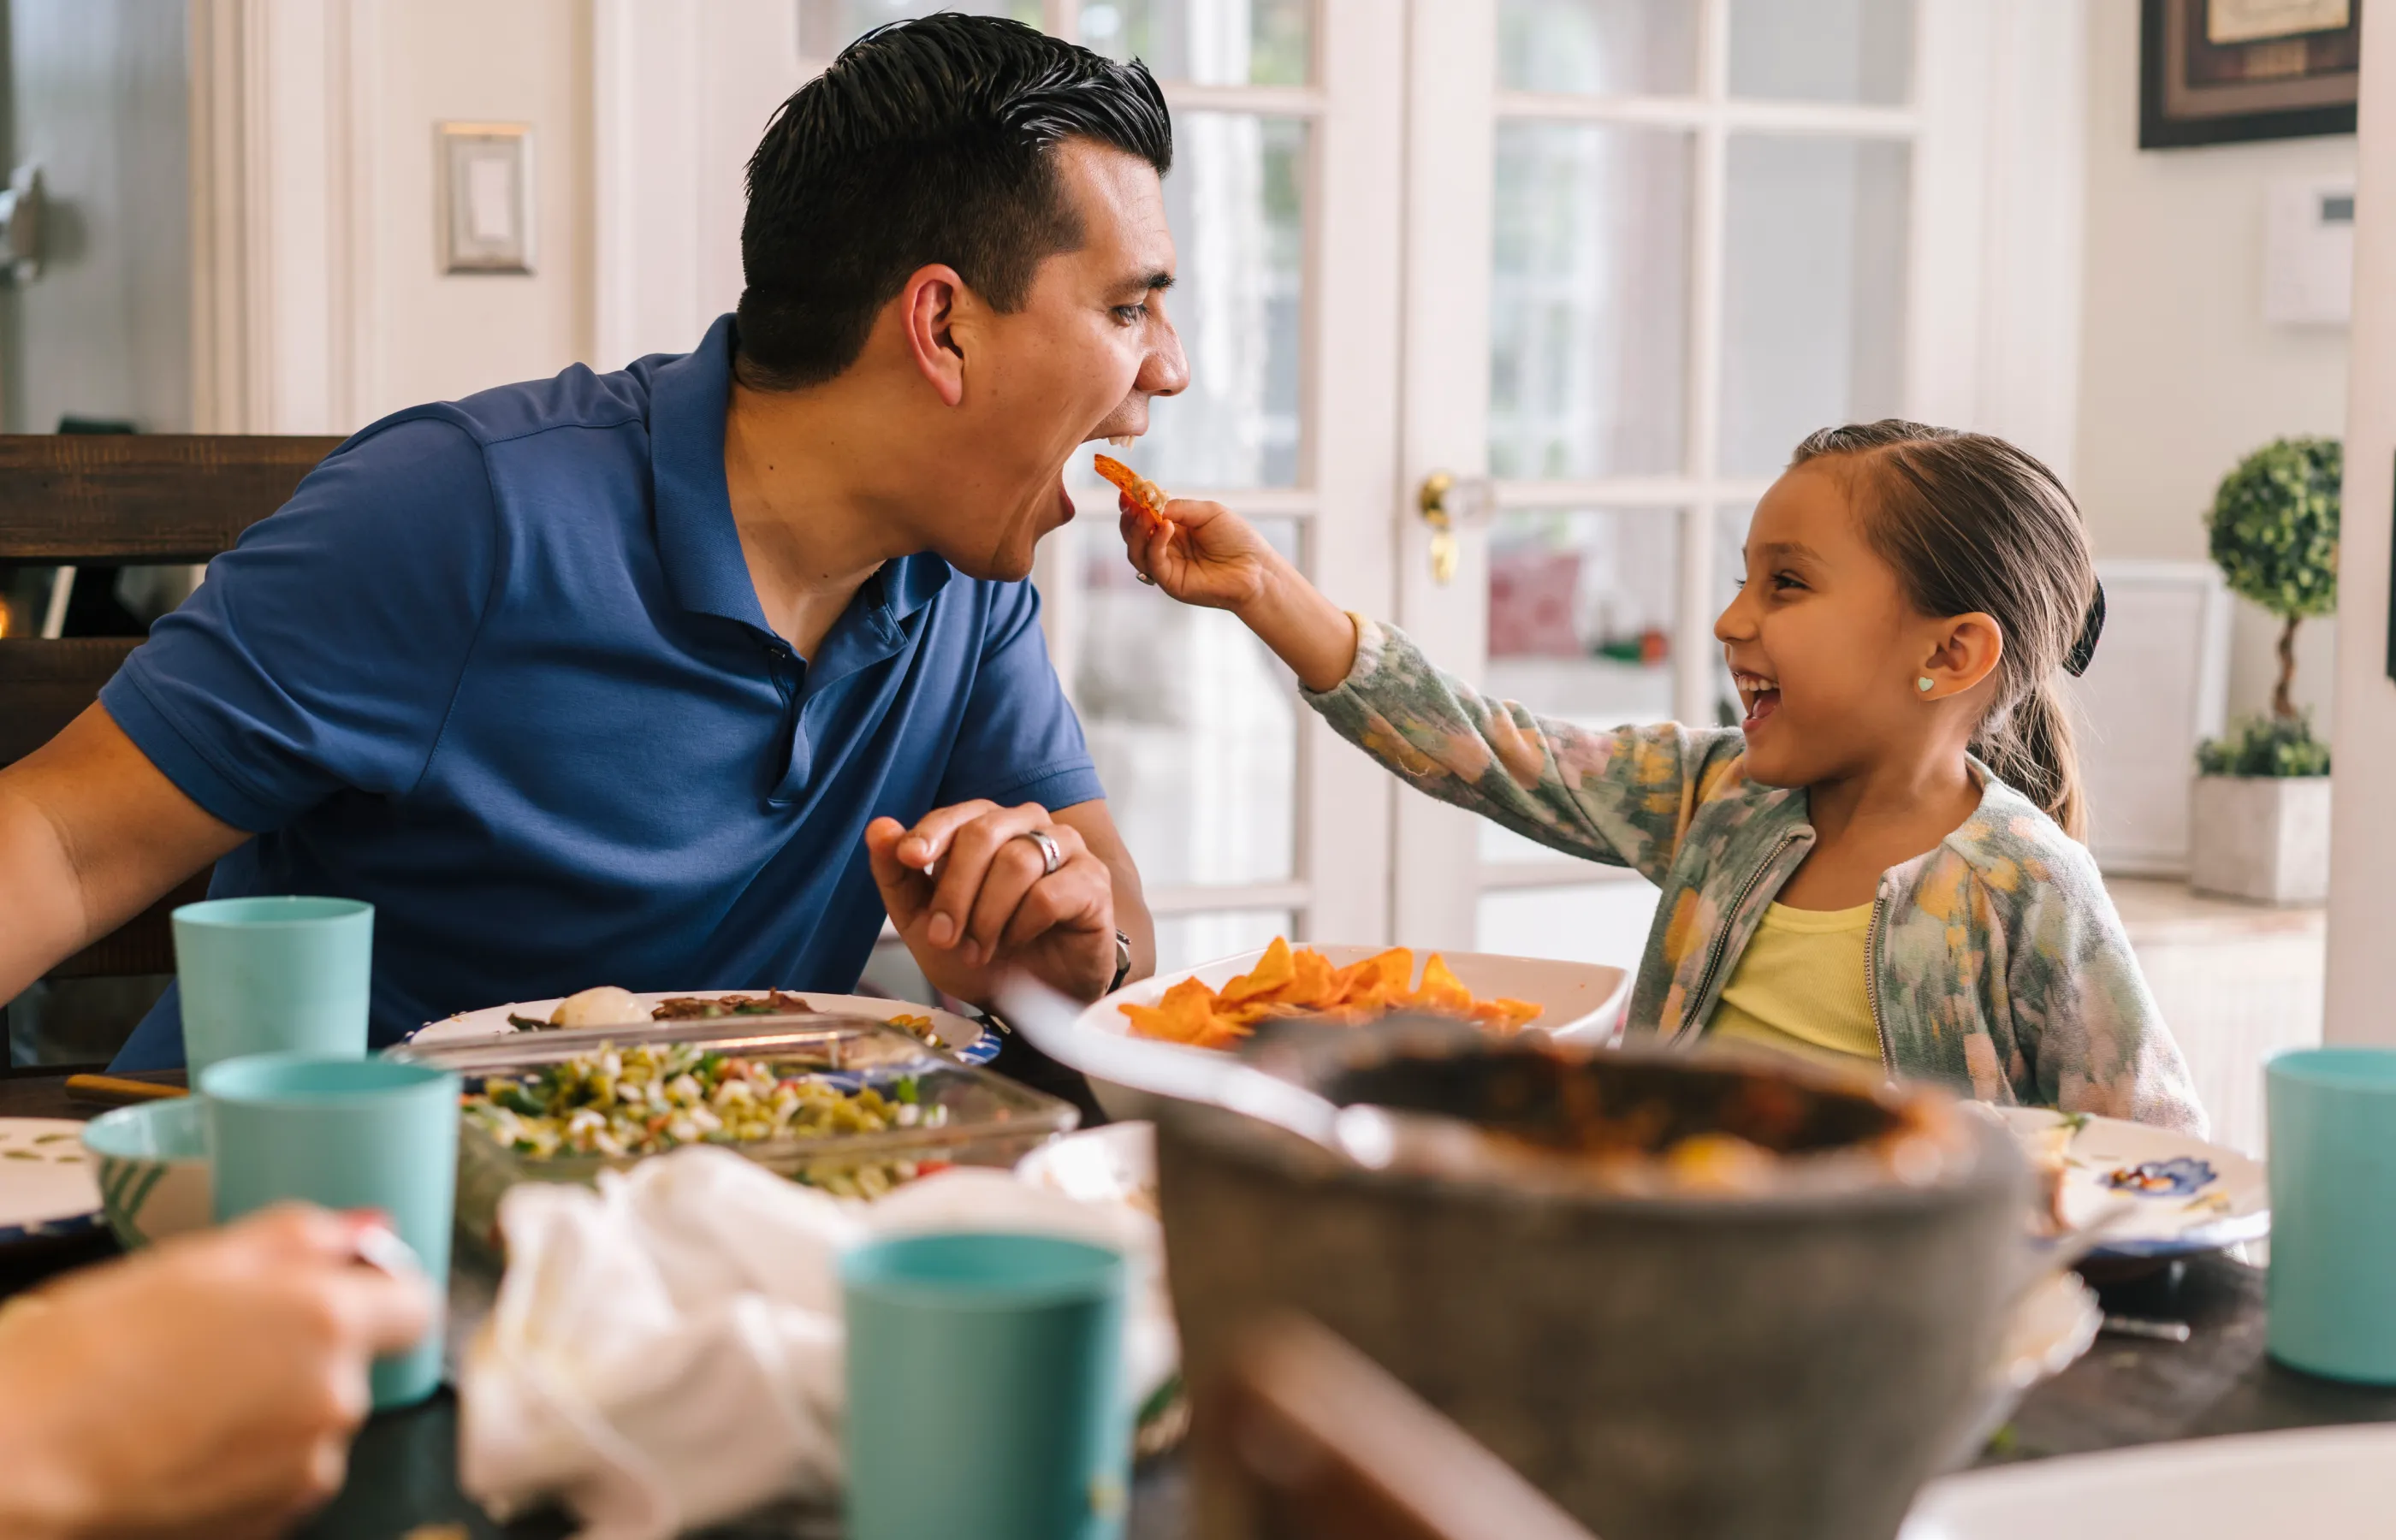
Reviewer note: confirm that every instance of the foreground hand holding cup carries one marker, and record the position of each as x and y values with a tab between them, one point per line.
351	1133
209	1385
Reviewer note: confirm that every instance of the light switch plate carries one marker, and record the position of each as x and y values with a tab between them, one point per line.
486	197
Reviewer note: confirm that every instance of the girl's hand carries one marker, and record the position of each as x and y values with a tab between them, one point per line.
1204	554
1200	553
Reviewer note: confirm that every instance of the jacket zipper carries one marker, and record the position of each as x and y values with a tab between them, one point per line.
1721	937
1871	984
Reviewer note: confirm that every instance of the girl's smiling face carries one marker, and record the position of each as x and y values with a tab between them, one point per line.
1820	640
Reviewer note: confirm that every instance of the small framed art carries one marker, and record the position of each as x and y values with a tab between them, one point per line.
2218	72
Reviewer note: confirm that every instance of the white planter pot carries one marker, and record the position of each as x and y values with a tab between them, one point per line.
2260	837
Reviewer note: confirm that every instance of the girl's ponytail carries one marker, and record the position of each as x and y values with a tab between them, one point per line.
2030	749
1973	524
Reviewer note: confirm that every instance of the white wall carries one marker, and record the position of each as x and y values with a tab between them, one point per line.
2180	376
443	335
320	303
2362	818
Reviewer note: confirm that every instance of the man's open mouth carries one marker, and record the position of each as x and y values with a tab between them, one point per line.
1760	696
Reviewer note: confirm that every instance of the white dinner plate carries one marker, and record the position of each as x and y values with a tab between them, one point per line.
2321	1483
1112	1164
967	1040
46	1186
2185	1196
1582	1001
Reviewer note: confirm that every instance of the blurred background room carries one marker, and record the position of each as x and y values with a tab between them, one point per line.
1502	314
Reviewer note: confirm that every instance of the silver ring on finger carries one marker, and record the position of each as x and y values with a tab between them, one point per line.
1052	856
1146	578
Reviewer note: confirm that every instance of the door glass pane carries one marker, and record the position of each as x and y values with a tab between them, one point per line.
1582	603
1237	202
1192	723
1822	50
1814	271
1585	922
1587	285
1611	48
1207	41
1186	940
828	26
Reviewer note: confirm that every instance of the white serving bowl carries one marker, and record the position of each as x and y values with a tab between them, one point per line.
1583	1002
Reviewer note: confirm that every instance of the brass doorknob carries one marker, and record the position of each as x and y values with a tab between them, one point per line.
1446	502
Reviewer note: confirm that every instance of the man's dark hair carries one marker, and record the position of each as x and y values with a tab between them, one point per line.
928	140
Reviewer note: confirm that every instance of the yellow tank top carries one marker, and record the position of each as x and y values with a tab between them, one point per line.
1802	986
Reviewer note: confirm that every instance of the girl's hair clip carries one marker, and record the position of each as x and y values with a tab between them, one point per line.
2091	626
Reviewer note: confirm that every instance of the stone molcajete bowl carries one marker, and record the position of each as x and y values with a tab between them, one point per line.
1674	1349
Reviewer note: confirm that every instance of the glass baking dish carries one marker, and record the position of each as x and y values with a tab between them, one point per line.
991	1120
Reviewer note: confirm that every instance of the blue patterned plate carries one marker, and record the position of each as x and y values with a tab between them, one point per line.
2187	1196
46	1186
963	1040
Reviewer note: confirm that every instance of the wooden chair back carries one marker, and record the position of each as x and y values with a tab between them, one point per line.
121	500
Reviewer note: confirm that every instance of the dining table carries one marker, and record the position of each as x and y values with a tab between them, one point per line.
2125	1390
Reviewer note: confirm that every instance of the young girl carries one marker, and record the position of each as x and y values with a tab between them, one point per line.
1880	863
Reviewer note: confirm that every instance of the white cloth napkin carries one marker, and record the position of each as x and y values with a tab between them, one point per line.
665	1352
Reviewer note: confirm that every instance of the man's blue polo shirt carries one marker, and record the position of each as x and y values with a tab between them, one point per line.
498	669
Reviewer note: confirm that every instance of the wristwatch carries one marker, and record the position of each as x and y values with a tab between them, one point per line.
1123	962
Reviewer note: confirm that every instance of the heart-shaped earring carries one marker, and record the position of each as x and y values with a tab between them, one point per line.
1922	683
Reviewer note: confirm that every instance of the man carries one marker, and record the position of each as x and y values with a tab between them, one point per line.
682	676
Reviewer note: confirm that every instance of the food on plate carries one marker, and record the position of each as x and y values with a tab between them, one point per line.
650	1098
609	1006
2047	1150
1303	983
605	1006
707	1008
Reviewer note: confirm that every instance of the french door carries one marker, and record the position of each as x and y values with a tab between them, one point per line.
1600	261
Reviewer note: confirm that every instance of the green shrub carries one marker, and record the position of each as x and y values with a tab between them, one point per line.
2274	535
2266	746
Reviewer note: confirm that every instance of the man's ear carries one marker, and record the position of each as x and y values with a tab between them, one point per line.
928	310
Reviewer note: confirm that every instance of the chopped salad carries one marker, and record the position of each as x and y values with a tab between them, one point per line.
653	1096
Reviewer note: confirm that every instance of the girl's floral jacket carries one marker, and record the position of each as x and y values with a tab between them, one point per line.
1998	964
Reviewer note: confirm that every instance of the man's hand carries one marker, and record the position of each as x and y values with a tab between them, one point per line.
970	898
207	1385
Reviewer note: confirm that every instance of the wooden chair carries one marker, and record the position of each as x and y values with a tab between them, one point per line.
121	500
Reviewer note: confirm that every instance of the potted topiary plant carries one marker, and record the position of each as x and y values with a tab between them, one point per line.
2261	807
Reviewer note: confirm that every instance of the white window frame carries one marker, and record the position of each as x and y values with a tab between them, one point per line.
1992	323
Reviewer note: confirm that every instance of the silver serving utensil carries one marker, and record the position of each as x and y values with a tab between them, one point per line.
1373	1138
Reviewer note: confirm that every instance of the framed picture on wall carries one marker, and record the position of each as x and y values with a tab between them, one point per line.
2218	72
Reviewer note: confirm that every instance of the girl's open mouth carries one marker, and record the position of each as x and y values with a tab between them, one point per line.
1760	696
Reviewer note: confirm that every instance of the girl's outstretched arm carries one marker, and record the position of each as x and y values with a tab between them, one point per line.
1204	554
1623	797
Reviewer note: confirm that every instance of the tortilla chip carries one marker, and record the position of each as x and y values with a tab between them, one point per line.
1442	991
1274	970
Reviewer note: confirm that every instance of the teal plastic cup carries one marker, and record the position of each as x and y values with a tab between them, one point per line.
274	975
346	1134
2332	1121
986	1391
